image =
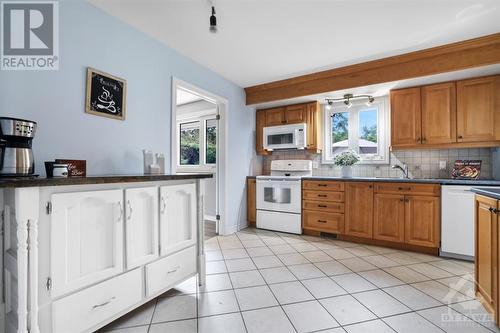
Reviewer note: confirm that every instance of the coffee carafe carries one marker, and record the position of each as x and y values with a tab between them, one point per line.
16	156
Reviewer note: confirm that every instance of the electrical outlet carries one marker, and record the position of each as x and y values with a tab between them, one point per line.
442	165
315	164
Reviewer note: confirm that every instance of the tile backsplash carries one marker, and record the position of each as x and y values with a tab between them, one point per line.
421	163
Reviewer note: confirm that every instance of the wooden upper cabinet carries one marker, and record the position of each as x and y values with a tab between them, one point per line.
478	109
422	220
295	114
308	113
405	117
439	122
359	209
389	217
486	255
314	127
260	123
275	116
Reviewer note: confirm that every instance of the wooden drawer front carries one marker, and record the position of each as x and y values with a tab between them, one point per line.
322	185
332	207
83	311
408	188
321	221
170	270
323	196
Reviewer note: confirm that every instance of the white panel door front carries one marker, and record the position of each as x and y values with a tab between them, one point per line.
141	225
177	217
86	238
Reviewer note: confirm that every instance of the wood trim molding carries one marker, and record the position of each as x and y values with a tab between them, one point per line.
466	54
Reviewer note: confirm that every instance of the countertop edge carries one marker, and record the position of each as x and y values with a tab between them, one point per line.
486	193
93	180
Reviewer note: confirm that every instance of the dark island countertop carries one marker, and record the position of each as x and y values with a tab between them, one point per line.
101	179
442	181
488	192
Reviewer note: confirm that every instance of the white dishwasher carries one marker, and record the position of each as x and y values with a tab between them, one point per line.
457	222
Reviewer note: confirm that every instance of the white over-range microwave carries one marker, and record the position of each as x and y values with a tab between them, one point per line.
291	136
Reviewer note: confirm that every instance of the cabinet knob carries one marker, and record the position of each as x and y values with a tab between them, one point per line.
460	137
424	139
402	199
419	140
494	210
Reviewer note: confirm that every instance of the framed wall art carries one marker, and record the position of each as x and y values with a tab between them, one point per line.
106	95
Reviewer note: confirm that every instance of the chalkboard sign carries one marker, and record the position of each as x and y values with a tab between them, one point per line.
106	95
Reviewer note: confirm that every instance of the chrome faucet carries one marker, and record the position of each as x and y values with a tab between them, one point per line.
403	168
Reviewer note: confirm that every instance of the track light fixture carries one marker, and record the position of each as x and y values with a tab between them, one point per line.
347	100
213	21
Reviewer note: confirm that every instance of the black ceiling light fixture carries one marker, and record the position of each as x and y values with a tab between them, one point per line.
213	21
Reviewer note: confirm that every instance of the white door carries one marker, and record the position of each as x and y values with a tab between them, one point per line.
141	225
178	215
86	238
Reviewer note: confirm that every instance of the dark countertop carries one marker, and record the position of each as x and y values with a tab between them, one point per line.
488	192
442	181
103	179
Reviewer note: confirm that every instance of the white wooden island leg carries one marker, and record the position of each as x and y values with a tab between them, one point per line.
27	210
201	234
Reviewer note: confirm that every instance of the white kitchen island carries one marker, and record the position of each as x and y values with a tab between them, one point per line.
80	252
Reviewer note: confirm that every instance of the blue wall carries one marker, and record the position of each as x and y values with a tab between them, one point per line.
56	100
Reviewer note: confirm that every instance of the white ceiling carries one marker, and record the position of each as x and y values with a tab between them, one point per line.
265	40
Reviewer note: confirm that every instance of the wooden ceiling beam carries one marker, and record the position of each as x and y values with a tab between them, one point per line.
466	54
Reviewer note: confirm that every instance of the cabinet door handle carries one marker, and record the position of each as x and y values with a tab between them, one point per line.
103	304
419	140
163	205
130	210
459	137
494	210
407	200
402	199
121	211
321	221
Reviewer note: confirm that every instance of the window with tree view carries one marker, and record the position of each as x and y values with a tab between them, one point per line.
190	143
360	128
211	140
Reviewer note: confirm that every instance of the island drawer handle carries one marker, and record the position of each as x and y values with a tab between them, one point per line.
323	185
321	221
103	304
322	195
322	206
174	270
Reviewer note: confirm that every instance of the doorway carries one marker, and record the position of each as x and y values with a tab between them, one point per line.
198	132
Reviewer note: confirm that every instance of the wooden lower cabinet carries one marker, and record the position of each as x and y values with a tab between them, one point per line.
359	209
422	214
487	255
251	201
389	217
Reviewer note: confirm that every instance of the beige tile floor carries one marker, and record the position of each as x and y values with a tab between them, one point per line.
261	281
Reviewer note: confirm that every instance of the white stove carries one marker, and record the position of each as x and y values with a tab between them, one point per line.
279	198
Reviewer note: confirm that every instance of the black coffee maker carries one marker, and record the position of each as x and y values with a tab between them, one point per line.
16	156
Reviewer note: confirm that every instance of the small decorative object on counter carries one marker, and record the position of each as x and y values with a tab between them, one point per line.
466	169
56	170
76	168
154	164
346	160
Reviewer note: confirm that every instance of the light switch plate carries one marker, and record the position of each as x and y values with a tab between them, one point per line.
442	165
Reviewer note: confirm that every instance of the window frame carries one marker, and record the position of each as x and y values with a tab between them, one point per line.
383	130
202	166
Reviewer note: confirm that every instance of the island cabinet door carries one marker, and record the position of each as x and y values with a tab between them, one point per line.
86	238
178	215
141	225
486	250
422	220
359	209
389	217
